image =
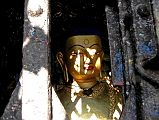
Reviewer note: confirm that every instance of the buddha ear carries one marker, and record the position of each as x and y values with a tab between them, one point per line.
102	54
62	63
60	59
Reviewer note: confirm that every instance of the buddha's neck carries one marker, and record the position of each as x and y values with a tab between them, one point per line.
86	83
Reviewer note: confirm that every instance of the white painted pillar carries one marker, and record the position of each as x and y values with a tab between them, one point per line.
35	80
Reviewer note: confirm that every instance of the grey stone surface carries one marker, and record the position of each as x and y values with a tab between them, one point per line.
14	107
30	99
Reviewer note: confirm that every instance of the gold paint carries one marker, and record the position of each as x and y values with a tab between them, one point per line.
86	41
84	56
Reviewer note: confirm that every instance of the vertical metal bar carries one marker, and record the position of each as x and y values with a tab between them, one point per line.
114	37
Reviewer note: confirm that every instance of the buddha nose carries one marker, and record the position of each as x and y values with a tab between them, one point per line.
91	52
87	60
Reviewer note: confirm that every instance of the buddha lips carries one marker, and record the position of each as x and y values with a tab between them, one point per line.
89	68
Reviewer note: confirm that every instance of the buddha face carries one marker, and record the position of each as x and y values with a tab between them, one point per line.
83	57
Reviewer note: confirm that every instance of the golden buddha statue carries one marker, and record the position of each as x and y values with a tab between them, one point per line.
89	96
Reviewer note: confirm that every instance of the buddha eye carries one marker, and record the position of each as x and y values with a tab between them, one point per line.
74	54
81	54
97	53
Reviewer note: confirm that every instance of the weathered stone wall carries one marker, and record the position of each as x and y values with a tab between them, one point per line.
31	95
